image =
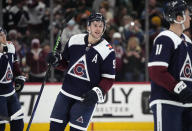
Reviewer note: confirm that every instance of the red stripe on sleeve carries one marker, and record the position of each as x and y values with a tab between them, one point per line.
16	69
162	77
62	65
106	84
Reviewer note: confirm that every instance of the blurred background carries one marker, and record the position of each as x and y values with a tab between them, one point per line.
132	25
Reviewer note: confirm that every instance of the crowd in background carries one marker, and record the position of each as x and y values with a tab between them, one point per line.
28	26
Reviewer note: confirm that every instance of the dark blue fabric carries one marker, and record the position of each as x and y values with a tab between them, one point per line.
174	118
71	110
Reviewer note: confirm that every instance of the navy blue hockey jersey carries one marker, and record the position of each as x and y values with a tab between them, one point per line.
87	65
6	71
174	53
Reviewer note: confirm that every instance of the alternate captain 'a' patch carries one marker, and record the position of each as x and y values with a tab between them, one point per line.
109	46
79	69
186	72
7	78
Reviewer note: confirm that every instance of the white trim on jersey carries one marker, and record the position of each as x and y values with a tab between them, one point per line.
77	40
169	102
108	76
56	120
175	38
71	96
187	38
9	94
103	49
17	114
77	127
159	116
158	63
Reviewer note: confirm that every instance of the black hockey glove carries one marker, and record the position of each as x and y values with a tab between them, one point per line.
53	59
19	83
93	96
184	92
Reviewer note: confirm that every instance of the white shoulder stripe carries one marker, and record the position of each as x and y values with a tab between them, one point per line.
158	63
187	38
103	49
77	40
176	39
108	76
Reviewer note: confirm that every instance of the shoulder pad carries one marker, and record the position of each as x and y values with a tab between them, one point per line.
104	49
176	39
77	40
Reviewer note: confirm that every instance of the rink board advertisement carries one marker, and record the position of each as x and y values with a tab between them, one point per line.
125	102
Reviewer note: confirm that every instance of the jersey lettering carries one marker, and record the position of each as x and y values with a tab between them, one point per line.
158	49
95	59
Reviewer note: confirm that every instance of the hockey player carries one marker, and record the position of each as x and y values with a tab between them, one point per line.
170	70
90	62
9	70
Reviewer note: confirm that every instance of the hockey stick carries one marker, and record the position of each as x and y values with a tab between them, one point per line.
48	70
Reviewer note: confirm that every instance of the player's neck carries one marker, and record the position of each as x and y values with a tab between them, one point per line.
92	40
177	29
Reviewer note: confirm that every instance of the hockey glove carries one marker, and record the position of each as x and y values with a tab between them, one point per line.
184	92
19	83
53	59
93	96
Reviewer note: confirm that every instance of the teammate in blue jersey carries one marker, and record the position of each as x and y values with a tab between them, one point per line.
9	70
170	70
90	63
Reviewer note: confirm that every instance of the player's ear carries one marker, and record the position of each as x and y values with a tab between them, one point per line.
88	29
180	18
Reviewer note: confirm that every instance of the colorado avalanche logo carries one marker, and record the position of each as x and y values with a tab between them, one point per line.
7	78
79	69
186	72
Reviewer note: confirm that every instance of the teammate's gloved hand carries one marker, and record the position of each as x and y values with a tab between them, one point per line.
53	58
93	96
184	92
19	83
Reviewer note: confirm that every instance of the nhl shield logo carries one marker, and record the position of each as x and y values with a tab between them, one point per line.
79	69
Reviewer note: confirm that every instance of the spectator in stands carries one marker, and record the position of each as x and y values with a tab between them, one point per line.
20	16
155	29
35	59
119	52
133	61
71	29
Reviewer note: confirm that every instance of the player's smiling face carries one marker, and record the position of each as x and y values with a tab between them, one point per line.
96	29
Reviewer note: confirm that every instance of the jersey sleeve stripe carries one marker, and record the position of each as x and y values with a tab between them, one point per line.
158	63
108	76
